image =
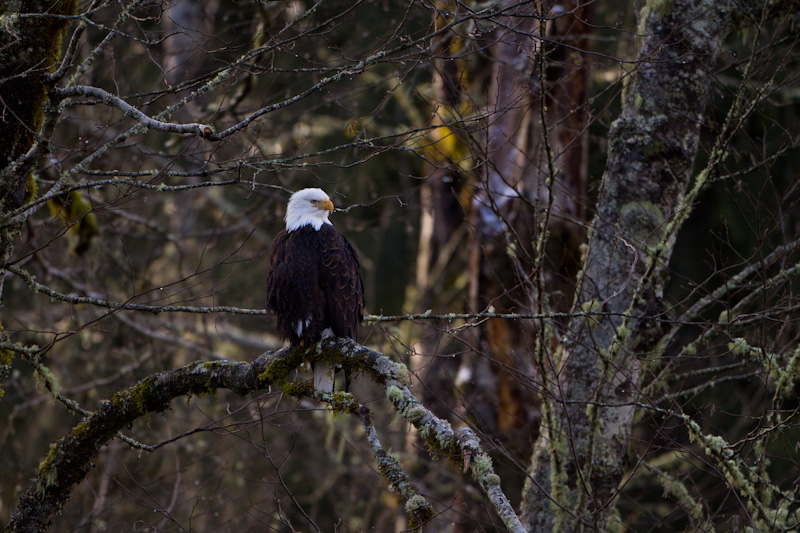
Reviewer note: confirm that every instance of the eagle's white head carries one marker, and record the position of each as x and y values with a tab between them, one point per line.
308	207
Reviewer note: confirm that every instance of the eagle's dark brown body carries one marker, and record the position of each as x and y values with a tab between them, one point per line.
314	283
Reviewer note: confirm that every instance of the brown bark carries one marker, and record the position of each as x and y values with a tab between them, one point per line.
535	163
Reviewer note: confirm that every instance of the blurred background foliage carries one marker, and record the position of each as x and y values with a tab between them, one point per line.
371	139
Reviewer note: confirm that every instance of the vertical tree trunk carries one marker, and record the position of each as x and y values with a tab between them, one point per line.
535	163
495	278
579	458
29	49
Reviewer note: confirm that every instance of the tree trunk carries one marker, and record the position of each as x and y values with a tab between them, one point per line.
578	461
535	164
29	49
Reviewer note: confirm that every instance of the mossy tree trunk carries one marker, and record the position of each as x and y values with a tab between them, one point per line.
645	196
30	47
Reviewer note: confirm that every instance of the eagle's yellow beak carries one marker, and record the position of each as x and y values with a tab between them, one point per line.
326	204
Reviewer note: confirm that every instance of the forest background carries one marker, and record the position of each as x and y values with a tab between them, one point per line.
578	229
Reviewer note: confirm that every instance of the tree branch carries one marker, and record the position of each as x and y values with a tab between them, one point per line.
30	280
71	458
201	130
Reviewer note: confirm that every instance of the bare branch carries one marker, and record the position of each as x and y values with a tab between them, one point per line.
201	130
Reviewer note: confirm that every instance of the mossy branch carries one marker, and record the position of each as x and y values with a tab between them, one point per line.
461	446
71	458
36	287
417	507
724	456
678	489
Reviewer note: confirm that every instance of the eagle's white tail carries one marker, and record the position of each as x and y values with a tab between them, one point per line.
323	377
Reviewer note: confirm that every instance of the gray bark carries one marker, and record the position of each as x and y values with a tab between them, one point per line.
578	461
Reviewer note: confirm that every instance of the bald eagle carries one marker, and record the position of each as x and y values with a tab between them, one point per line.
314	283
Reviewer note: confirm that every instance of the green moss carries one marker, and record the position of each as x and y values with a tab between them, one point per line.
659	8
37	44
78	217
47	379
47	462
279	369
344	402
643	222
784	385
415	502
416	414
623	333
80	430
143	396
140	400
31	188
297	389
591	412
483	466
583	250
420	510
425	433
402	374
47	474
492	480
590	305
47	471
653	149
394	394
6	356
739	347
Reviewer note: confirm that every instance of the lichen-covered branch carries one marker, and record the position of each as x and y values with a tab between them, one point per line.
95	300
28	50
679	491
417	506
70	459
461	446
